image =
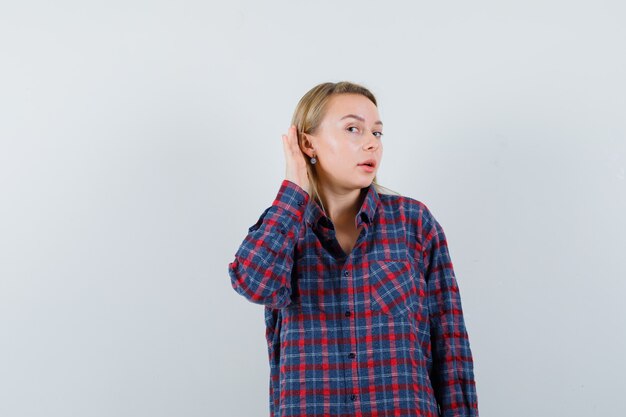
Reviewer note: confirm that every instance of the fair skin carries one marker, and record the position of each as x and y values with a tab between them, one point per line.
349	134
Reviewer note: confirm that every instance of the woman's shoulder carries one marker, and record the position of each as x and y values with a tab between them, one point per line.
415	212
398	202
411	215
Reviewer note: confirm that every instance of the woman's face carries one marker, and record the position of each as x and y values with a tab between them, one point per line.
349	135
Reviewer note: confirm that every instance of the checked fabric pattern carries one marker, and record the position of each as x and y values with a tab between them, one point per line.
376	332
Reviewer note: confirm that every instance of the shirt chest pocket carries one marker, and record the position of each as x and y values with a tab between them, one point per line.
391	287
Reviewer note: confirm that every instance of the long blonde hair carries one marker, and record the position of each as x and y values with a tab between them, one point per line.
309	114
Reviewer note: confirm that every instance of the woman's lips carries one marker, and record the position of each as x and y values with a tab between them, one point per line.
367	168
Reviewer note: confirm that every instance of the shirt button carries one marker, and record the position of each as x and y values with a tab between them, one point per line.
353	397
352	356
348	313
346	273
300	203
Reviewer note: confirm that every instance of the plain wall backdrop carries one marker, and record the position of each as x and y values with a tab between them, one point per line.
140	139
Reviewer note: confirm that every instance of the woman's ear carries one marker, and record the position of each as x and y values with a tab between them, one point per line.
306	145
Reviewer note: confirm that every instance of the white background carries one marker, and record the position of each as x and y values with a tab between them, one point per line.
140	140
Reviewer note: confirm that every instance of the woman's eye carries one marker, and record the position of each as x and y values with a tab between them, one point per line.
377	134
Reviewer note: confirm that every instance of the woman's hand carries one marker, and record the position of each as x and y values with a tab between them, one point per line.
296	164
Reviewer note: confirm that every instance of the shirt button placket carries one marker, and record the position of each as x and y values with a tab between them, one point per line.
351	355
348	313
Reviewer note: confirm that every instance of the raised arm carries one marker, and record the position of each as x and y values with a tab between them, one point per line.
261	271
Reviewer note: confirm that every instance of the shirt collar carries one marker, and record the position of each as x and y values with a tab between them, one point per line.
315	216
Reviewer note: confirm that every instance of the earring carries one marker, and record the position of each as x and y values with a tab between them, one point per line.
313	160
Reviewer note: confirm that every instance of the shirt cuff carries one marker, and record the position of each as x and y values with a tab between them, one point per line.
292	198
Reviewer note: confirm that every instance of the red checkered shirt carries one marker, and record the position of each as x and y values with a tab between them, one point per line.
376	332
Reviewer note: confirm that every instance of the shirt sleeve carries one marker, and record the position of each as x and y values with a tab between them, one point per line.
261	270
452	373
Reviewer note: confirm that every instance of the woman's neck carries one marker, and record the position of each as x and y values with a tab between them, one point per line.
341	205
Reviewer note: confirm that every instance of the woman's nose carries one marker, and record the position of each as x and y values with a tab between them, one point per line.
371	141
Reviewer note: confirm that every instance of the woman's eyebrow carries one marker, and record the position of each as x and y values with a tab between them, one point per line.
377	122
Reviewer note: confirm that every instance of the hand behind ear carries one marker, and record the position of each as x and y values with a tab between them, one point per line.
296	171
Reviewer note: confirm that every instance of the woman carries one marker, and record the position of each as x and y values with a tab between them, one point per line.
362	309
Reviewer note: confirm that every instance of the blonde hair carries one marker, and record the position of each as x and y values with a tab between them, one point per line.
309	114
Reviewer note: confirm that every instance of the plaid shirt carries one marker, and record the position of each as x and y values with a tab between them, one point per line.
377	332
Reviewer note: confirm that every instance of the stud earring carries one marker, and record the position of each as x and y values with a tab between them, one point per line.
313	160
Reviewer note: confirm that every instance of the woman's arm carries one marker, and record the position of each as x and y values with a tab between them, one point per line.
452	373
261	271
